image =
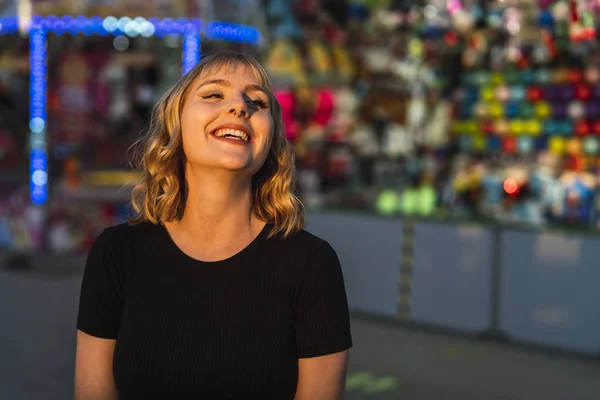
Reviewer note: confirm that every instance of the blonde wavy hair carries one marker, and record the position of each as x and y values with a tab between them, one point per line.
160	194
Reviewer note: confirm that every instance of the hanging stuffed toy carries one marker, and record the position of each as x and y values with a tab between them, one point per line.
287	100
363	138
344	65
346	107
325	104
396	141
579	197
284	62
435	133
321	63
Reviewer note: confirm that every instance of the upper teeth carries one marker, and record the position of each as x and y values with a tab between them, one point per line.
240	135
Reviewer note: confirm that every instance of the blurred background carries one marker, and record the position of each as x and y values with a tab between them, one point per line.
449	150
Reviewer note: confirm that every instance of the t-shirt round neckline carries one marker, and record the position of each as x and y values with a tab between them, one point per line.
245	251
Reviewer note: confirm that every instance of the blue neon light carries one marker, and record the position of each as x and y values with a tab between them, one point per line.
232	32
133	27
140	26
191	51
9	25
38	159
191	30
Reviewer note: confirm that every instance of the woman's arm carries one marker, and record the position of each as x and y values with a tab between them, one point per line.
94	368
322	378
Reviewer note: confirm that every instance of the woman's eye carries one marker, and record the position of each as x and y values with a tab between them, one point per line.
258	103
213	96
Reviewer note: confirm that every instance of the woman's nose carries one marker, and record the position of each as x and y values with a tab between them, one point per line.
238	107
238	112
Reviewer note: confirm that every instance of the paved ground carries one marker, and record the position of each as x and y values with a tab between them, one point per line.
37	337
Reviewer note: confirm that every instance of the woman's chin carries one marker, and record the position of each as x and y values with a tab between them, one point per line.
227	163
230	166
234	164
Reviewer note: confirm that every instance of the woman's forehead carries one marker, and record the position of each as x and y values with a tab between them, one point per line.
230	68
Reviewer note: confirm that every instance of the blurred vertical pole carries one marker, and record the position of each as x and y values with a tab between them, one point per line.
494	331
191	49
406	270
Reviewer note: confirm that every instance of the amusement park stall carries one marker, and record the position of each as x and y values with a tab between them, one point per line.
458	177
82	82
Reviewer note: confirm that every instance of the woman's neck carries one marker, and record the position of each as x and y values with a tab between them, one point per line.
218	213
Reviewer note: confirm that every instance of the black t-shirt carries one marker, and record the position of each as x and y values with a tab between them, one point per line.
230	329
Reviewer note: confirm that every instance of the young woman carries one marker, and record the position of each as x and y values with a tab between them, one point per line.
214	290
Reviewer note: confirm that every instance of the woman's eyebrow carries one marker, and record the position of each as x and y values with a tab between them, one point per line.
226	83
221	82
256	88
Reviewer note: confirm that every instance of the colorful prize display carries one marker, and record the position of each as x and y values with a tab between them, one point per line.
561	108
527	112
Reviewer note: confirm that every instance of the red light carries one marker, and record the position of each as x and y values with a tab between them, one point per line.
509	145
487	127
583	92
582	128
548	40
596	127
534	94
451	38
575	163
580	163
511	187
589	33
575	75
523	63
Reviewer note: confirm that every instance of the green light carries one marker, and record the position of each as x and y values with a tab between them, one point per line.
387	202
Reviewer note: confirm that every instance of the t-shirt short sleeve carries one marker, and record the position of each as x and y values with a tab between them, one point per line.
321	316
101	294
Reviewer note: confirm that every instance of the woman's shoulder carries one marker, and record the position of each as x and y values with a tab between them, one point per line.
127	229
303	242
121	236
304	236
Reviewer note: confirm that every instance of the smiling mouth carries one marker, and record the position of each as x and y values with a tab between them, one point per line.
234	134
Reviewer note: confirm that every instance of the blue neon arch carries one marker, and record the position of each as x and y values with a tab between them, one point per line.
191	30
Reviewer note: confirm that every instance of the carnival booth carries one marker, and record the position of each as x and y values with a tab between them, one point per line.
467	194
94	75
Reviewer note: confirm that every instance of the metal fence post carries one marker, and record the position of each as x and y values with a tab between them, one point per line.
494	332
406	270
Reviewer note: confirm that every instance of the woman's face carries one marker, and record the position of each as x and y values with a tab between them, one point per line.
226	122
